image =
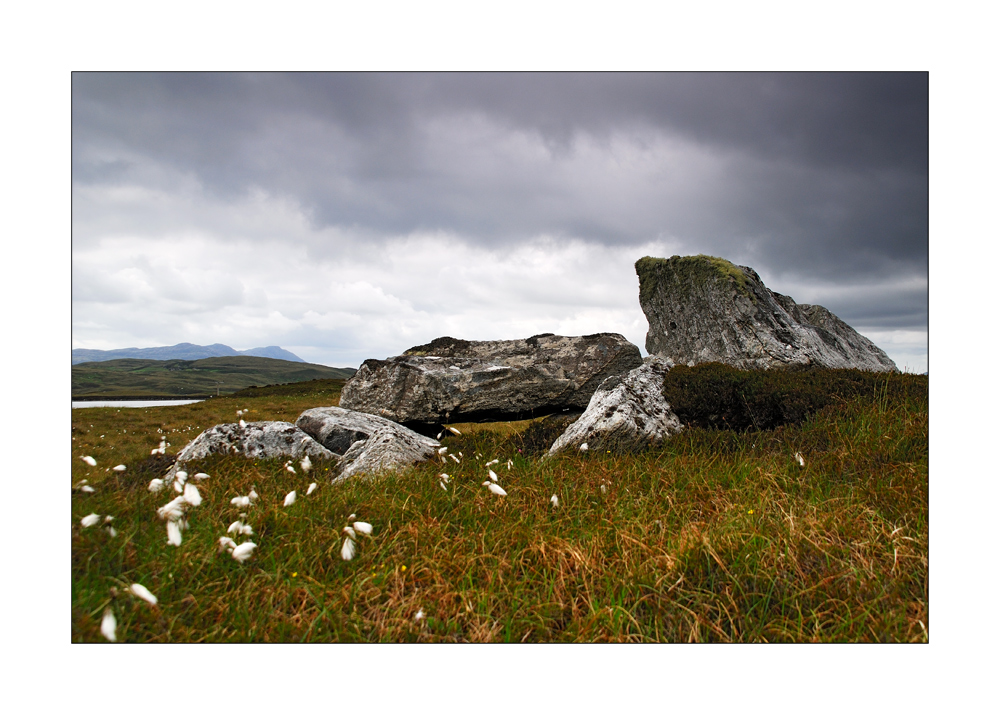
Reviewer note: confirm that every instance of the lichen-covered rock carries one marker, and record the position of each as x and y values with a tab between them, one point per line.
706	309
451	380
258	440
627	413
369	443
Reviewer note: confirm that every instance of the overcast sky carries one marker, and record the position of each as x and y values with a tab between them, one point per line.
352	216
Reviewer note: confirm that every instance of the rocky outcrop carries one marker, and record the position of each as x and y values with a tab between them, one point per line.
627	413
706	309
257	440
368	444
353	442
451	380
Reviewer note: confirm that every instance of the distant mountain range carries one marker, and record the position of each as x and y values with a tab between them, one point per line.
181	351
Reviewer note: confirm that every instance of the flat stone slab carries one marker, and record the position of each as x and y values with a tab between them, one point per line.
627	413
706	309
258	440
451	380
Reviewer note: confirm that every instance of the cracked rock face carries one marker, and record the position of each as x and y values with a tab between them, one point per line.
258	440
451	380
355	443
368	444
627	413
706	309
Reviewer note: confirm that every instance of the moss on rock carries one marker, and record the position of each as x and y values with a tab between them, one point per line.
691	270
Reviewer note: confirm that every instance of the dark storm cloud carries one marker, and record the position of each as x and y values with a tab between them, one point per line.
816	173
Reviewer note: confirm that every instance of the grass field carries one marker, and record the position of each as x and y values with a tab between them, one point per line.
718	536
190	378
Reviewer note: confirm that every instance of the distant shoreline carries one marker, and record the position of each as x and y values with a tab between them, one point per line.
127	398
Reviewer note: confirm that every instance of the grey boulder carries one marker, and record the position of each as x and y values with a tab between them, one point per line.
706	309
369	444
451	380
257	440
626	414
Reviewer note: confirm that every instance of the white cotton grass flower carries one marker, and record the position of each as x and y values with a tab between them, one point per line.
584	447
201	475
87	488
347	550
119	468
510	463
173	533
362	527
172	510
252	495
492	462
90	460
179	479
156	485
290	498
493	475
443	486
242	552
140	591
495	488
455	459
419	616
246	530
235	527
305	463
453	431
604	488
241	502
443	450
243	425
439	435
554	501
90	520
311	489
191	495
290	468
444	477
109	625
798	458
226	543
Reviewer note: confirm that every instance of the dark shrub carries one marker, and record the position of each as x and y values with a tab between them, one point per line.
536	440
720	396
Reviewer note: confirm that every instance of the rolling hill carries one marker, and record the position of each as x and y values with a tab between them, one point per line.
191	378
181	351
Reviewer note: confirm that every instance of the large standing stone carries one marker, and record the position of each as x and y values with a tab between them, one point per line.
257	440
705	309
369	443
452	380
627	413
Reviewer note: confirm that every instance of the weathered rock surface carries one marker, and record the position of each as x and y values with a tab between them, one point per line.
354	442
706	309
452	380
258	440
627	413
369	443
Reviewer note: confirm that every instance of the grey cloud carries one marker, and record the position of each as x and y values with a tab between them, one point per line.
821	176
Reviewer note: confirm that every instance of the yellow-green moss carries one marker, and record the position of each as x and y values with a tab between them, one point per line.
696	269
